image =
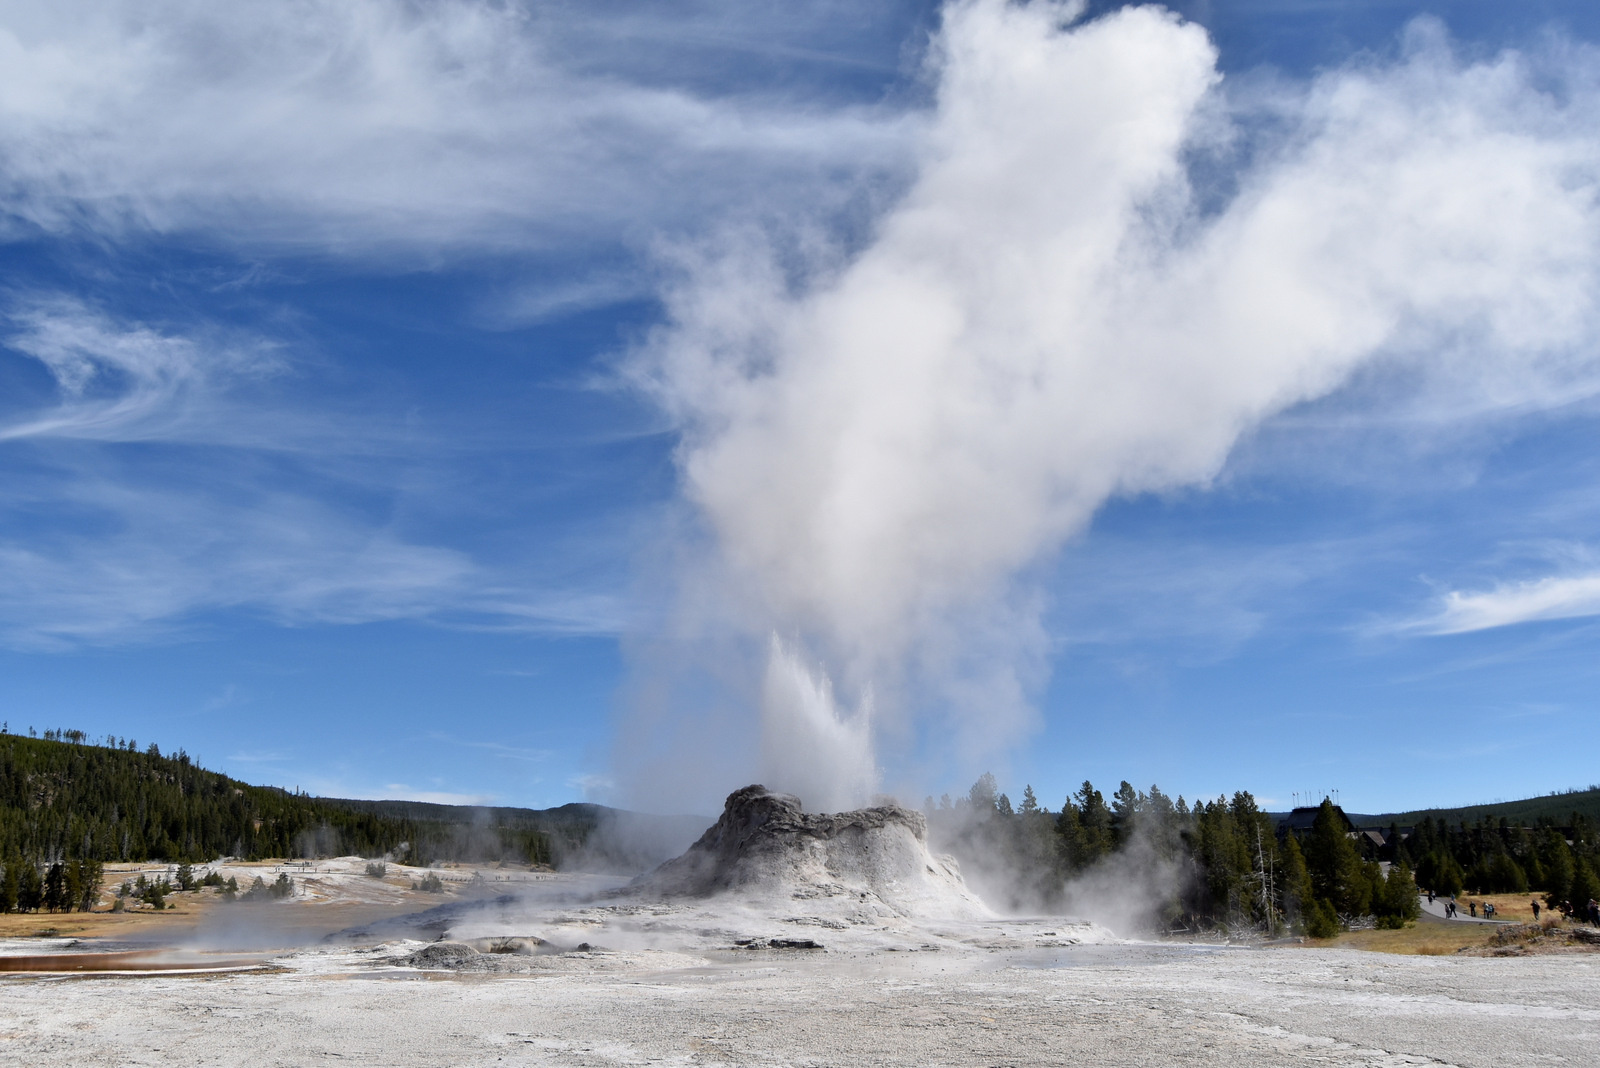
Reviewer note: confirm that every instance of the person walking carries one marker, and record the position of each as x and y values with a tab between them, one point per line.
1472	906
1535	904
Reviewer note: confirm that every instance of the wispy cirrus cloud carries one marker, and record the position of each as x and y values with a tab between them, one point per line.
233	498
1570	596
399	791
148	562
124	381
499	750
378	124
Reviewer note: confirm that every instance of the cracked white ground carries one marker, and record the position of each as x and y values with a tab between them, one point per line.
665	985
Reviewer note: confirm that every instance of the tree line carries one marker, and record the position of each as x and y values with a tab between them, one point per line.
1496	856
64	886
1214	864
66	801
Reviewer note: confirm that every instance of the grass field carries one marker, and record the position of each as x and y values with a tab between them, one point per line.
1516	907
168	923
1425	939
1438	939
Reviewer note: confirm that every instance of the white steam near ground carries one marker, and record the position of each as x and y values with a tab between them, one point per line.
883	439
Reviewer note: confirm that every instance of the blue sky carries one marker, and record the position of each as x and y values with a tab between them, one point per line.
434	403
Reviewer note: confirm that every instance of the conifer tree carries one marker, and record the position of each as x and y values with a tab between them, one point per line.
1069	837
1095	818
30	891
11	884
1214	845
91	873
1030	803
1297	892
1558	865
1125	804
55	888
1321	920
1505	875
72	891
1397	904
1334	864
982	794
1585	886
1162	824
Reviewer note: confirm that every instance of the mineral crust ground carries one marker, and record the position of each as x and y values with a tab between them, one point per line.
1108	1004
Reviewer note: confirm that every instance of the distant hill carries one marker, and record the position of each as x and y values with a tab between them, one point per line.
1558	807
582	835
63	797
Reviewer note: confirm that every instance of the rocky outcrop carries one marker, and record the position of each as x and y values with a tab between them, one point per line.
442	955
872	861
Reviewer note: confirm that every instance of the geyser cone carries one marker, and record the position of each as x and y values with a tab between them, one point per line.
867	864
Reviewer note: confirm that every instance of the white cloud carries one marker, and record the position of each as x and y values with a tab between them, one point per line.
499	749
106	546
593	787
1047	320
534	302
154	558
125	381
354	125
399	791
1552	597
258	756
145	561
885	442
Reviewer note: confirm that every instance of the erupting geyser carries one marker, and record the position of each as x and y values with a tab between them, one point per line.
867	865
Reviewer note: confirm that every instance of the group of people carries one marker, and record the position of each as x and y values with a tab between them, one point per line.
1590	914
1450	909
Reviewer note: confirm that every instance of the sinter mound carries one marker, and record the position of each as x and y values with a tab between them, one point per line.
868	863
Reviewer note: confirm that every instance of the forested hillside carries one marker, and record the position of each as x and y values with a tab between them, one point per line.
67	804
64	798
1225	862
1561	808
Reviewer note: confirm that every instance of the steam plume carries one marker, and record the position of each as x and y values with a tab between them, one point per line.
883	443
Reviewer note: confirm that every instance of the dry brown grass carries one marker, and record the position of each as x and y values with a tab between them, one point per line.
1444	939
183	911
182	914
1517	907
1424	939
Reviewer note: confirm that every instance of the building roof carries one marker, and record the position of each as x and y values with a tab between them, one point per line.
1301	819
